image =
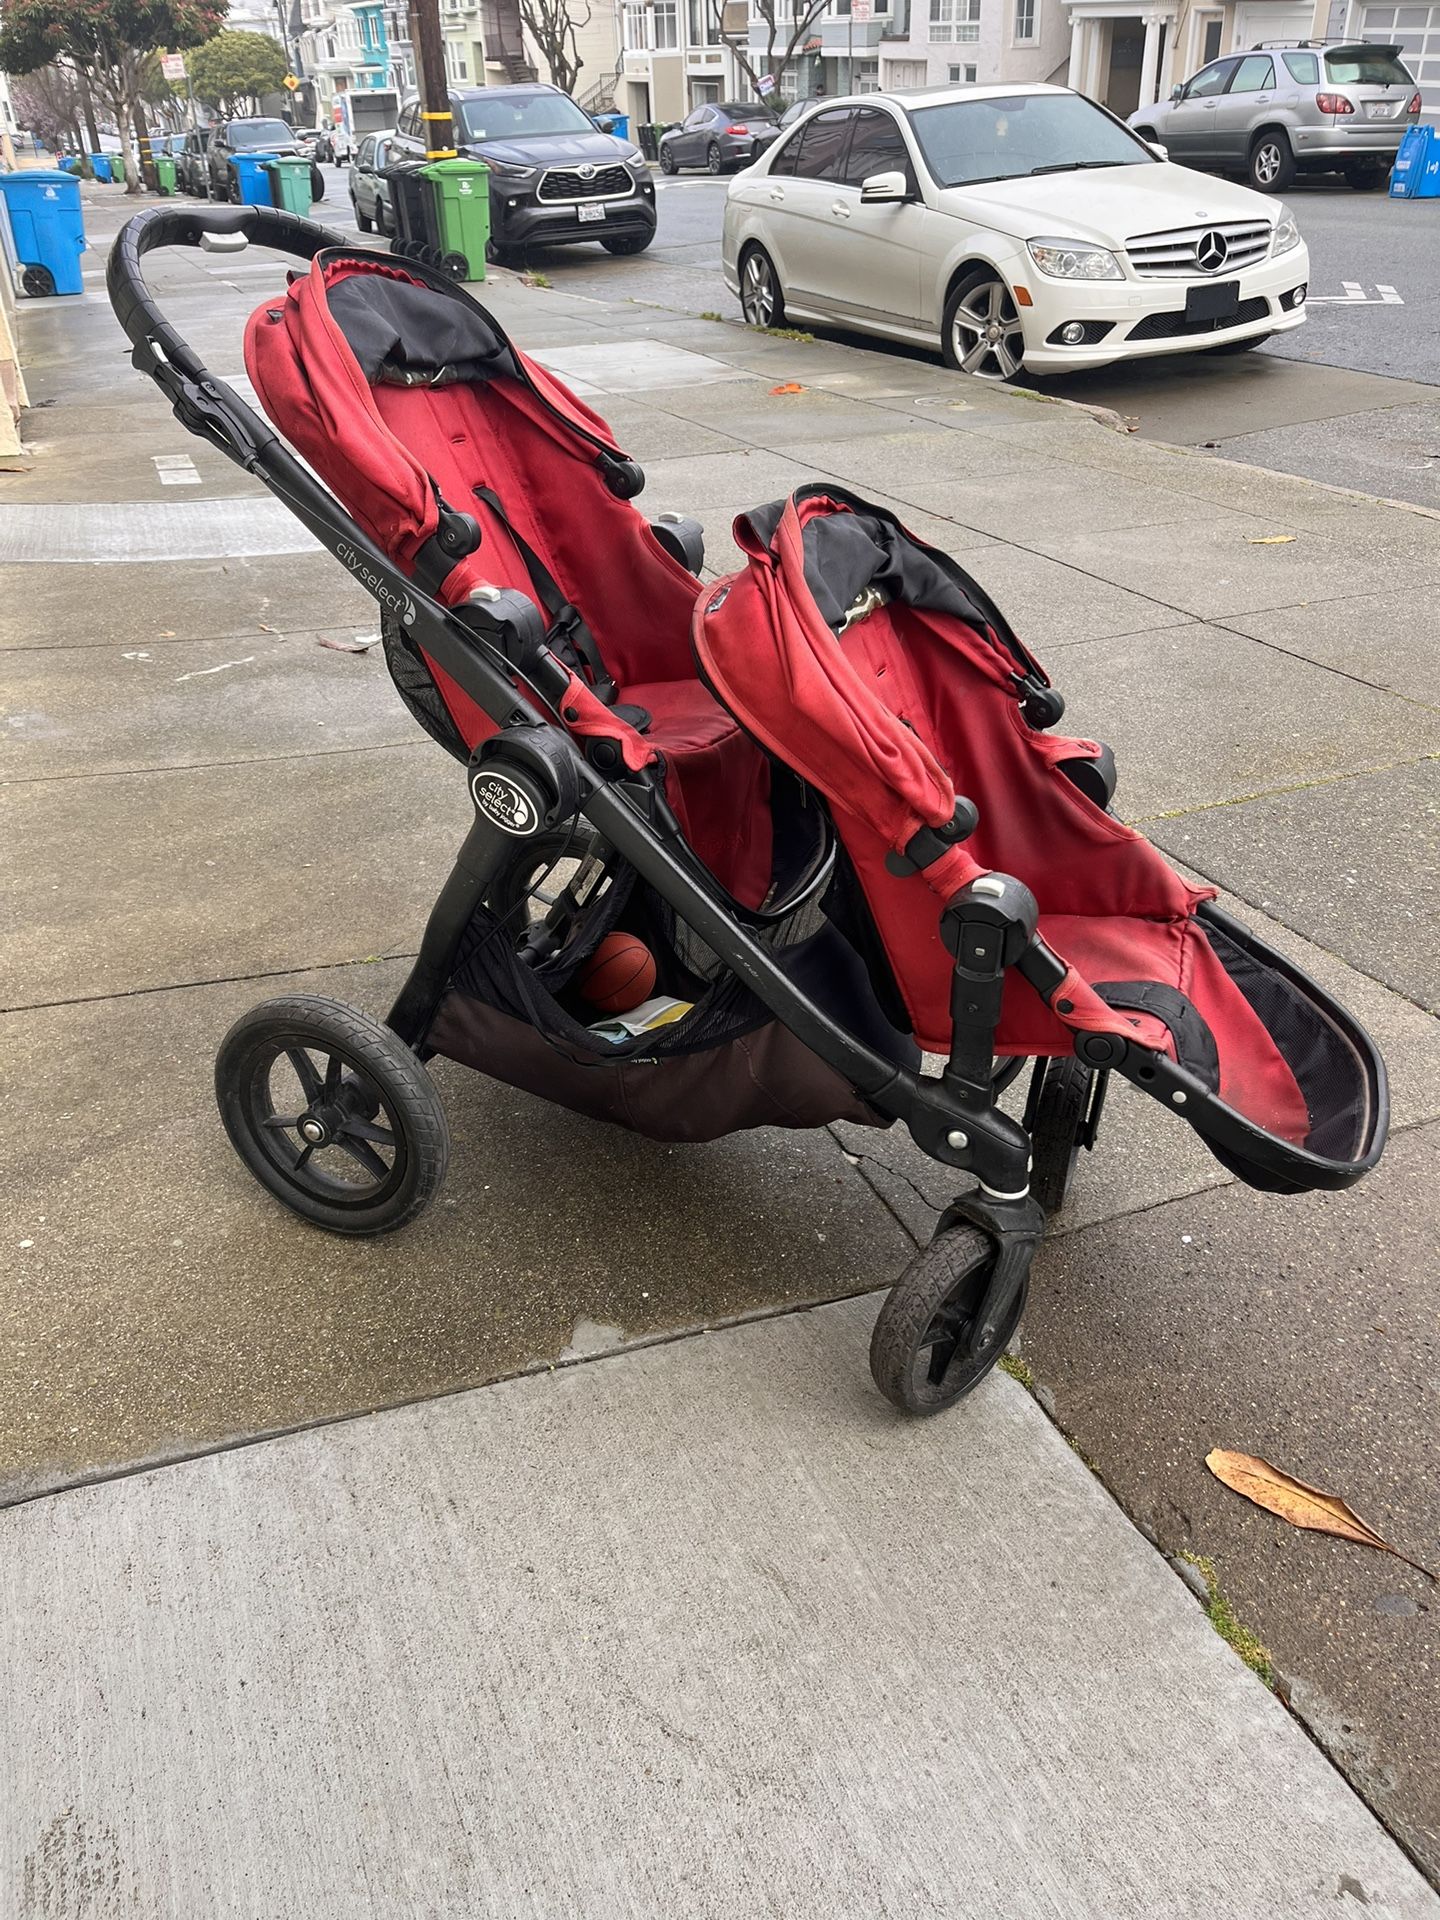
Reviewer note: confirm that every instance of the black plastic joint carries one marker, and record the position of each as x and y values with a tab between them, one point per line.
997	906
927	846
1042	706
624	478
509	620
525	780
1100	1049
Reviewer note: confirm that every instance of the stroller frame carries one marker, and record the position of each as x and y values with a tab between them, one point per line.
499	636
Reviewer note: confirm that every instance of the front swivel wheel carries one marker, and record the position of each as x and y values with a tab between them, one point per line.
918	1351
333	1113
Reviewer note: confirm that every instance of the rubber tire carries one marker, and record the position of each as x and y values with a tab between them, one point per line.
1363	179
232	189
499	256
1286	171
407	1090
317	184
384	220
38	282
1240	346
777	316
362	220
714	159
1054	1143
956	295
627	243
936	1272
668	163
456	266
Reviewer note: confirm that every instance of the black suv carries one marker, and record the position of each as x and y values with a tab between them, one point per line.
252	136
554	177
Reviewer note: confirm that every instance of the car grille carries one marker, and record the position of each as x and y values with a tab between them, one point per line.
565	183
1166	326
1175	254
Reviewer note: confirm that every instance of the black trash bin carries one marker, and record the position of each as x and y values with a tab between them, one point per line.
646	135
417	219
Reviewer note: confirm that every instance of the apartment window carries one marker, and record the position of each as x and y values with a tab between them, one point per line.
704	30
635	25
667	23
963	76
455	63
955	20
1024	21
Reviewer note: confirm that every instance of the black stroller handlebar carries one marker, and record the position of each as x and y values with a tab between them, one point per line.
187	227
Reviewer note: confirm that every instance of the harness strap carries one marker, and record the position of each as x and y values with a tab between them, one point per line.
568	634
1195	1047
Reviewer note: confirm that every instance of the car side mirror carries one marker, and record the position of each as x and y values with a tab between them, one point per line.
1160	153
884	189
1177	92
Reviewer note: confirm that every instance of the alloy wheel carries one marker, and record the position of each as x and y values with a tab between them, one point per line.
757	290
1267	162
988	338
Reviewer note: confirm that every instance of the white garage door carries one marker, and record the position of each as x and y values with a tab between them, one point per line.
1268	21
1416	31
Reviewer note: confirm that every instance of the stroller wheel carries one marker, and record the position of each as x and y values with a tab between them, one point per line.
333	1113
917	1356
1058	1107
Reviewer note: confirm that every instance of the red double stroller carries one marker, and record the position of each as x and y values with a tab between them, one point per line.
823	800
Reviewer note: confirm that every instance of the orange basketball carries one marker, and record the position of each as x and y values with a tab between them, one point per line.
618	975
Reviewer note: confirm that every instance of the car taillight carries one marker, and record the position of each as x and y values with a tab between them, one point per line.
1333	103
737	129
1416	104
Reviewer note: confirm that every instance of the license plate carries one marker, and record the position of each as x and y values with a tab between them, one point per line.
1380	110
590	213
1220	301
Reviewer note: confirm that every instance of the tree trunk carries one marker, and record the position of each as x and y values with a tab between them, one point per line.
87	107
146	174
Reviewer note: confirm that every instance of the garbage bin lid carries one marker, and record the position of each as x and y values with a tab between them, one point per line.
38	176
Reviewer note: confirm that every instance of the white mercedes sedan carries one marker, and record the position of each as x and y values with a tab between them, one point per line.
1013	227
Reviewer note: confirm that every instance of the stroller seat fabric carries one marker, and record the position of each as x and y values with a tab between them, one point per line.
402	396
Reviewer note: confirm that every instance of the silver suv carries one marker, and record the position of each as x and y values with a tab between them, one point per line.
1288	107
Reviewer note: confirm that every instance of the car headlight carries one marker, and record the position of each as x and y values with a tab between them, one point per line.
511	169
1285	234
1074	260
637	160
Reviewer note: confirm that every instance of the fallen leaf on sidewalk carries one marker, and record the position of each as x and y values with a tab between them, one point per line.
358	643
790	386
1271	540
1303	1506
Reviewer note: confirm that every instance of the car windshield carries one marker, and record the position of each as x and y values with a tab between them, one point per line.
1366	67
260	133
1010	136
522	116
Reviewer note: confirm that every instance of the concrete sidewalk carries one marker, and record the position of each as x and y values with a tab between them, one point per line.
208	807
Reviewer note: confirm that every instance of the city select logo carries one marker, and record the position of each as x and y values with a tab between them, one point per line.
376	583
503	803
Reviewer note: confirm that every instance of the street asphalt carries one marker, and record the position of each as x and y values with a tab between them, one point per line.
211	806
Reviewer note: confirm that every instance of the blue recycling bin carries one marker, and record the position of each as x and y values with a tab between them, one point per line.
1416	173
616	123
44	209
100	165
252	171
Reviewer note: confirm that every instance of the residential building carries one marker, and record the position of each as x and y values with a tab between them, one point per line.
1127	56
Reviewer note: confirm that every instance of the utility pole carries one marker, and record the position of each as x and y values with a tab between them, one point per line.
429	47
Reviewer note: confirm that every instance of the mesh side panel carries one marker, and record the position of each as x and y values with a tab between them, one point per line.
417	689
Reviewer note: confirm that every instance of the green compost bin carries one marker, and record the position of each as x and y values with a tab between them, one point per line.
290	184
165	172
117	167
462	201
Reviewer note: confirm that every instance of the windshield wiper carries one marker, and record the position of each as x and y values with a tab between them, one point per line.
1076	166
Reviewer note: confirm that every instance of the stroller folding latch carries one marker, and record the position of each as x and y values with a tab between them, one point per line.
743	851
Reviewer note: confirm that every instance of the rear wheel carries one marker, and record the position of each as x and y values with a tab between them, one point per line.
761	301
1272	164
668	162
332	1113
1059	1106
624	243
362	220
917	1351
982	332
232	188
317	183
714	159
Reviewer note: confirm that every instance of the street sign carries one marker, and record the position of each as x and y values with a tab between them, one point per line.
765	84
861	11
292	83
172	65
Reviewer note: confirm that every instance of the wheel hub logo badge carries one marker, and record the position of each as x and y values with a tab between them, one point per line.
1211	252
504	804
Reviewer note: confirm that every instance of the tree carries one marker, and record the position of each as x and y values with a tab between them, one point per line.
234	69
785	37
48	101
553	25
110	43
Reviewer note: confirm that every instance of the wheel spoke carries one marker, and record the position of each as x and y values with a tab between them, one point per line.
304	1072
993	304
281	1124
362	1151
975	358
300	1158
1005	359
334	1067
362	1130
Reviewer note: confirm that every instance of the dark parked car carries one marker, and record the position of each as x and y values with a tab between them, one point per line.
369	190
230	137
717	136
191	166
554	177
